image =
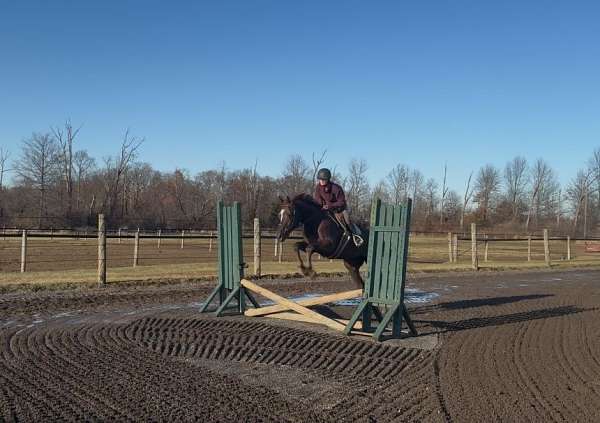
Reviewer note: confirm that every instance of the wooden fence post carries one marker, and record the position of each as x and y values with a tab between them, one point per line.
529	248
136	248
569	247
159	235
455	248
485	257
474	259
547	248
24	251
101	250
119	235
450	252
257	247
182	238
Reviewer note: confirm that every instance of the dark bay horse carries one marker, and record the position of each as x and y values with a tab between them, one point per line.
322	235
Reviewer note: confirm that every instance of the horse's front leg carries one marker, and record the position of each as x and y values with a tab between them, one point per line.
301	246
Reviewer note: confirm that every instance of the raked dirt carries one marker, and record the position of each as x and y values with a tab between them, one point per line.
491	347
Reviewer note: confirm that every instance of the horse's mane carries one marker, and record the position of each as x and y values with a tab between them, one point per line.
306	198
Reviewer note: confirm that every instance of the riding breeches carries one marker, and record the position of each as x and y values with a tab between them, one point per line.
344	216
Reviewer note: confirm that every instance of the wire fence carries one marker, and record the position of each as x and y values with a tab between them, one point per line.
60	251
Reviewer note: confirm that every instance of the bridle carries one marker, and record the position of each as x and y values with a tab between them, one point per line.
292	224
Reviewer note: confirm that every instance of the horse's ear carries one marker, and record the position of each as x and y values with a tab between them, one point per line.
287	197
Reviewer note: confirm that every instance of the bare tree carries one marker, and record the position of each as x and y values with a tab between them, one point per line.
559	208
466	199
381	191
139	180
452	206
430	193
115	169
178	187
317	161
594	166
444	193
486	188
358	187
253	191
296	177
4	156
541	176
416	187
547	204
399	182
64	138
220	188
335	174
515	178
83	164
578	192
37	167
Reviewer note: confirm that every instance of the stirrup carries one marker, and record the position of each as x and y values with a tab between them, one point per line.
358	240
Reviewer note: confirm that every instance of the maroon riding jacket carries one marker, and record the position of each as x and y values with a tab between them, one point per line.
331	194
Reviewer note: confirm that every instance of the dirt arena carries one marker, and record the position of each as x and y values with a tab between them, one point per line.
492	347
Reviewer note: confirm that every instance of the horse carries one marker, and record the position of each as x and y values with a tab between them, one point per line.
322	235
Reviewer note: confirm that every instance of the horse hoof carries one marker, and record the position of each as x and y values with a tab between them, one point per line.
303	270
312	274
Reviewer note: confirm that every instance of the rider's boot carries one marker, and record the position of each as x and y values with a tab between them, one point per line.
352	229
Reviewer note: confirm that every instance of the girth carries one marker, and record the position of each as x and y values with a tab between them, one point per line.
344	240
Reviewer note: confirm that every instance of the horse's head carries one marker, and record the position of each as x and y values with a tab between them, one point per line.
288	218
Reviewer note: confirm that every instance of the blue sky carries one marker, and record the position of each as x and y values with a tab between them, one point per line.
420	83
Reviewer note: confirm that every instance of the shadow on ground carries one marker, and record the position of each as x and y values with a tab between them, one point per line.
478	302
480	322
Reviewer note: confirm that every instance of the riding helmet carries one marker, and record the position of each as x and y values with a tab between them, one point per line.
324	174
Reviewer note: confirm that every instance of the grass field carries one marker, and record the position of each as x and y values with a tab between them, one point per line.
61	260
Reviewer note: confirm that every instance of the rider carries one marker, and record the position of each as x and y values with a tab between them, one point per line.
331	197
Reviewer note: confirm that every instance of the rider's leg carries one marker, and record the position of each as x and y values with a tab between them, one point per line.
342	218
351	226
353	229
347	218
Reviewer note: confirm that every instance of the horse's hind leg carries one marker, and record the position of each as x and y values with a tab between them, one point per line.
354	271
354	274
309	270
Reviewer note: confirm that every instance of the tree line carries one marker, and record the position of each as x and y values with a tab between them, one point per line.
56	185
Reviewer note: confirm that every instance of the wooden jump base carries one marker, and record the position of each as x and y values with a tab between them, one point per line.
281	310
300	307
